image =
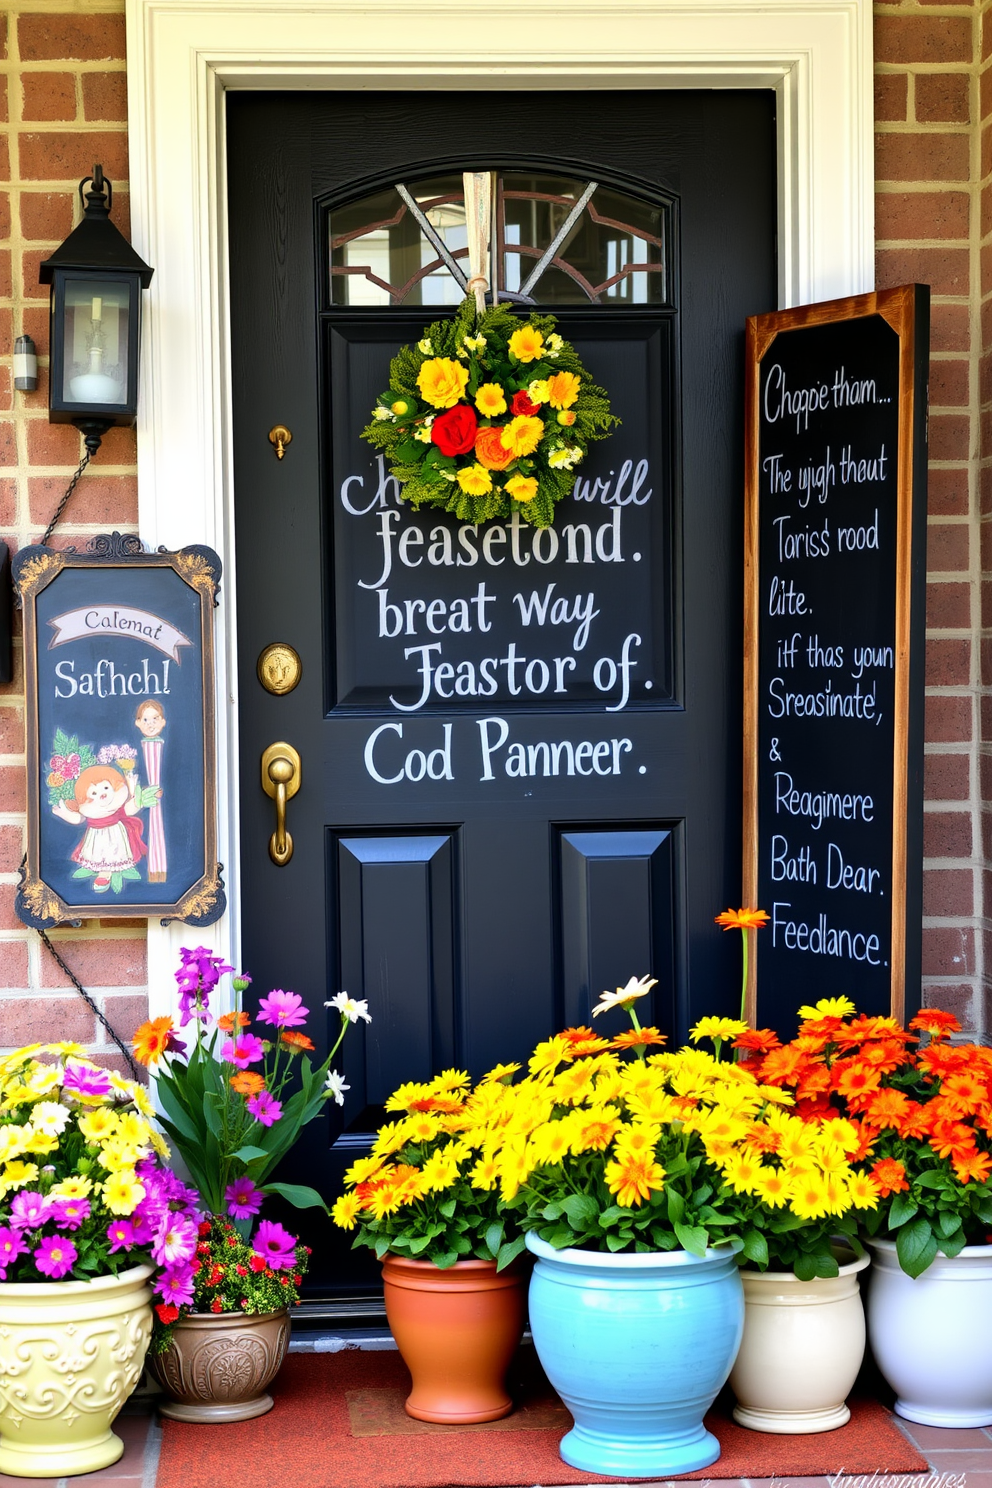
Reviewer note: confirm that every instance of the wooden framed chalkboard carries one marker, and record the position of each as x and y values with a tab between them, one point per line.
119	677
835	546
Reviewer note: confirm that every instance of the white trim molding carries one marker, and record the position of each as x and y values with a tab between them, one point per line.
184	54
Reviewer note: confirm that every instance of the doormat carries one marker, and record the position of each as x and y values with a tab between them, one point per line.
339	1422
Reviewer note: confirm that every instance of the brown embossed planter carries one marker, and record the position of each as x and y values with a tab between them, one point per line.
457	1330
219	1365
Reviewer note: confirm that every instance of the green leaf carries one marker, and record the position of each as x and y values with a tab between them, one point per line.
420	1243
755	1247
954	1244
580	1210
444	1260
448	1208
494	1236
676	1204
551	1212
932	1179
948	1224
298	1195
901	1211
915	1246
617	1242
692	1238
805	1267
509	1252
249	1153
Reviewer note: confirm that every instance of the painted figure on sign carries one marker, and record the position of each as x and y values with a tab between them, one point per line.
149	720
113	844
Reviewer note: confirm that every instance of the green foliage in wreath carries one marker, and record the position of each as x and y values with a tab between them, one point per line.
67	759
485	416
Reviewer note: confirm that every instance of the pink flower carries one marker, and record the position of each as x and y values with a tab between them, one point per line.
243	1199
29	1209
121	1235
69	1214
175	1240
11	1245
282	1010
55	1256
275	1245
265	1108
176	1285
81	1081
246	1049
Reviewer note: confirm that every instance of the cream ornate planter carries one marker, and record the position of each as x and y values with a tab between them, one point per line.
71	1352
219	1366
802	1348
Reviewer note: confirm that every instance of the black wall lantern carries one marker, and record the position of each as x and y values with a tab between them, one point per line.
96	281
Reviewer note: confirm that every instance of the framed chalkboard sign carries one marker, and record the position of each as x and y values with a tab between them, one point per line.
119	675
835	544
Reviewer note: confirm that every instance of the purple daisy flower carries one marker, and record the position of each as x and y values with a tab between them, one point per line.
120	1233
283	1010
85	1082
29	1209
176	1285
242	1198
68	1214
11	1245
246	1049
275	1245
55	1256
265	1108
175	1240
199	972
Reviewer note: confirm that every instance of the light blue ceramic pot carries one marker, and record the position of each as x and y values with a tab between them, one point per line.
638	1347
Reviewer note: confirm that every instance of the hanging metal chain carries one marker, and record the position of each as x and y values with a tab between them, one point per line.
65	499
91	1005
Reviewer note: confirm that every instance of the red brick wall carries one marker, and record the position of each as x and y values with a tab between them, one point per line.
62	108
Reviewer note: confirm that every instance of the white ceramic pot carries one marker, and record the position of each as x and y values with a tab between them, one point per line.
932	1337
71	1352
802	1348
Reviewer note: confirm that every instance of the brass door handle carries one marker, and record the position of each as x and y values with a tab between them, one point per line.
281	776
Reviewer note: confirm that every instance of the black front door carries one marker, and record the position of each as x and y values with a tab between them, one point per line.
520	750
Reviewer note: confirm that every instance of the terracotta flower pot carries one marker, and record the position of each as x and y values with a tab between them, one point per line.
219	1365
457	1330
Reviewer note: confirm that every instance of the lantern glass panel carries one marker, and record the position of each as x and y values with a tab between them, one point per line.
95	363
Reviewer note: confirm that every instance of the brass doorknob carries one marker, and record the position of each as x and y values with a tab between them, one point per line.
281	775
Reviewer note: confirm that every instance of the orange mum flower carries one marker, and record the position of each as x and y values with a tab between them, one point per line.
863	1028
294	1040
742	919
867	1136
782	1065
490	451
151	1040
638	1038
975	1165
915	1121
890	1176
855	1082
941	1059
963	1093
936	1023
813	1083
816	1109
583	1041
247	1082
226	1021
763	1040
633	1176
952	1139
886	1107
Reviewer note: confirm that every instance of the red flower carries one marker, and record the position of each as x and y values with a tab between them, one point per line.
454	430
297	1277
204	1228
216	1305
257	1263
232	1239
522	403
167	1312
241	1270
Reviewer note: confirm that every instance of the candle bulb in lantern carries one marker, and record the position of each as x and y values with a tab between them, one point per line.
96	312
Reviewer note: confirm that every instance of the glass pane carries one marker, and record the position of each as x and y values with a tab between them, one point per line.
96	323
611	250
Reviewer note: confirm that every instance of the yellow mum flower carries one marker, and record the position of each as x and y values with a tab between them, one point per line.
118	1156
526	344
485	1174
772	1186
442	382
16	1174
99	1125
551	1143
122	1193
72	1188
489	400
502	1073
808	1198
633	1177
390	1139
639	1139
522	435
404	1096
863	1191
717	1028
421	1128
345	1210
741	1169
364	1169
12	1141
563	389
521	487
838	1195
440	1170
133	1128
40	1142
827	1007
452	1080
475	480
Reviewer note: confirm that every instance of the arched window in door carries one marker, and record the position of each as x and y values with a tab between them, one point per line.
560	240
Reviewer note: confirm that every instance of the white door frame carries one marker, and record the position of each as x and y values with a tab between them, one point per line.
184	54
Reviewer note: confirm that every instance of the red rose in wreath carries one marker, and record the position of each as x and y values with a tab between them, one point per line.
523	403
453	431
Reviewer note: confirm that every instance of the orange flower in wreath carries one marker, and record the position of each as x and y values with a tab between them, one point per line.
490	451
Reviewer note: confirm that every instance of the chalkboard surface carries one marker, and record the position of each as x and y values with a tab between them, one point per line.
833	729
119	671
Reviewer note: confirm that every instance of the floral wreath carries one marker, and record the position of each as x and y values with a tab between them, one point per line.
487	415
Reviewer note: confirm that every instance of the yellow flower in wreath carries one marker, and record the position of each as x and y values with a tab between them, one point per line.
521	487
442	382
523	434
489	400
526	344
475	480
563	389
